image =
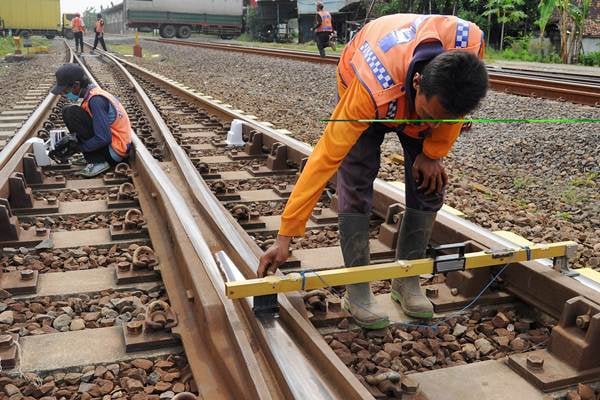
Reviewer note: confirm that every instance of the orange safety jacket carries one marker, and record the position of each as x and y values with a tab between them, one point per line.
326	22
100	26
77	25
120	129
371	76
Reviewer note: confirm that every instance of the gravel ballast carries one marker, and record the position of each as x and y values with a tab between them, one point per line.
538	180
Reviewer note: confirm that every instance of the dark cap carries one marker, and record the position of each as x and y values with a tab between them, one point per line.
66	76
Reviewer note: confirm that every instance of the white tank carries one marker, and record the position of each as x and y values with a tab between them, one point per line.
215	7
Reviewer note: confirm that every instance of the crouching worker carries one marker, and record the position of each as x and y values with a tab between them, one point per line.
100	125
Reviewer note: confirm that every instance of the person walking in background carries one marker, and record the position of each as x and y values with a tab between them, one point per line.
323	27
78	27
99	29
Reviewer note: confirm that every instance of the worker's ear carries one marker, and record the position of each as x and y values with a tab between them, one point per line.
416	81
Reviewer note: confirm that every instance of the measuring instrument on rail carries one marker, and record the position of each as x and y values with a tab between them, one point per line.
442	259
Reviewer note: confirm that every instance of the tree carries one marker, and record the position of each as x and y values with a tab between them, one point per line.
509	13
492	7
545	8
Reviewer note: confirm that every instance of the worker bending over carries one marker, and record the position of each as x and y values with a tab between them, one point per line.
323	28
401	66
100	125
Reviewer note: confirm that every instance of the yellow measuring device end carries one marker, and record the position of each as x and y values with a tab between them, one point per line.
402	268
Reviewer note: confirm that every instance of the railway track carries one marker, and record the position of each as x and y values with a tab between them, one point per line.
576	88
205	211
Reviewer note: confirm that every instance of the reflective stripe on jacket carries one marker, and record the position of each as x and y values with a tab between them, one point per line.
326	22
380	54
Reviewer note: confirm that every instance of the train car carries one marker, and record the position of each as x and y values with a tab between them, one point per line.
181	17
31	17
66	25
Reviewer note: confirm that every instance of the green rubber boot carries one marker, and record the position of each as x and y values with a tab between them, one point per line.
358	300
415	232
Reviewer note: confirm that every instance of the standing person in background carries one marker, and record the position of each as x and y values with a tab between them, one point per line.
78	27
323	27
99	29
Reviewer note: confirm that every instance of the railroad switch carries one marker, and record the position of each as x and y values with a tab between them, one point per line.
438	263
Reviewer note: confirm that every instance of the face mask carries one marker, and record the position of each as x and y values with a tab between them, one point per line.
72	97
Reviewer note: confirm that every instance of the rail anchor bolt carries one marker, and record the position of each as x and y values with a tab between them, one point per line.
535	363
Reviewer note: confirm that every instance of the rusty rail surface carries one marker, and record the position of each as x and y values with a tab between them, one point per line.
532	282
233	353
286	341
558	87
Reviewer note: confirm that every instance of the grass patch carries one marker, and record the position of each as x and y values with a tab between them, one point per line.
564	215
571	197
7	45
520	182
127	50
588	180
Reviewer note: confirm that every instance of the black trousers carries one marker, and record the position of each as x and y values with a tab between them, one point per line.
322	42
360	166
99	38
78	40
79	123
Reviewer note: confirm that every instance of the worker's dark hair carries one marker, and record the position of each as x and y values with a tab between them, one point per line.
319	6
458	78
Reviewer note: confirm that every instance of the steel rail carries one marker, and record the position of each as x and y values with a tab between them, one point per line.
532	281
285	341
507	80
31	125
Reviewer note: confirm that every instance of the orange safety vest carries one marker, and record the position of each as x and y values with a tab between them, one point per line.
100	26
326	22
77	25
120	128
380	55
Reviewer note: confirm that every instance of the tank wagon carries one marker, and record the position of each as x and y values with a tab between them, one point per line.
182	17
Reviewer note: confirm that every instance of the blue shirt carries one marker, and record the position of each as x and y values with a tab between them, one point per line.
103	115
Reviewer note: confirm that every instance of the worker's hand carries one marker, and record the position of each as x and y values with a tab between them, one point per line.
275	255
429	174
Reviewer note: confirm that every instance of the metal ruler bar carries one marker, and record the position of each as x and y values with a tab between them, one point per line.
399	269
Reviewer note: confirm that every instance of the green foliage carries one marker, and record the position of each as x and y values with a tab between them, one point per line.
564	215
526	48
520	182
588	180
391	7
571	196
545	8
591	59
